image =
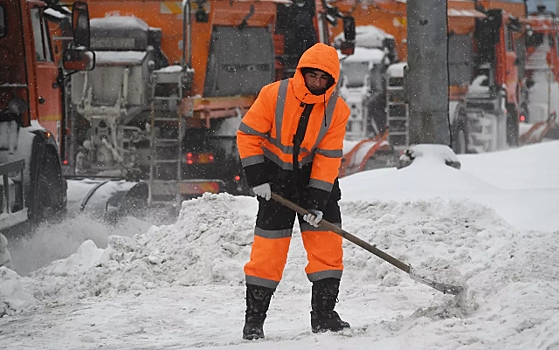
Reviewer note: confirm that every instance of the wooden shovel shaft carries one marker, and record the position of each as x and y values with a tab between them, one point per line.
331	227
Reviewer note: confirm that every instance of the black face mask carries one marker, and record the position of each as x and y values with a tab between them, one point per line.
318	92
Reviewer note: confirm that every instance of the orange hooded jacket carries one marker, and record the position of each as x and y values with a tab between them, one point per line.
266	132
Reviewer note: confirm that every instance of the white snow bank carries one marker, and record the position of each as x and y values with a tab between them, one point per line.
529	167
209	243
87	256
428	178
13	297
5	257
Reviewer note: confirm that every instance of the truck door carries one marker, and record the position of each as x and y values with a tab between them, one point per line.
48	92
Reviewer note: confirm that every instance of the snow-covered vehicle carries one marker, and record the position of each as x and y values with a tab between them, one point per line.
541	84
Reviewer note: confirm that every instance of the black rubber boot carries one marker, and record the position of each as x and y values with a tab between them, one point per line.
258	301
324	299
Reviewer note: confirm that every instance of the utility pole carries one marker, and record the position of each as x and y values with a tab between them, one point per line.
427	76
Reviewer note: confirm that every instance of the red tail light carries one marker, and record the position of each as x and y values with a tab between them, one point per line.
199	158
522	118
237	178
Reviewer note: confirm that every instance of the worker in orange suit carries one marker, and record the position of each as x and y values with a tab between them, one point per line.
290	142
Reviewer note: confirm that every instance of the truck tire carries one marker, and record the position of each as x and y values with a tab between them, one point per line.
41	203
49	200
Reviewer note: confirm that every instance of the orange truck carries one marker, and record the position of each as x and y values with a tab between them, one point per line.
485	74
31	96
171	83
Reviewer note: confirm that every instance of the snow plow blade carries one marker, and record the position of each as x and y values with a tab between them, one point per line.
107	199
417	275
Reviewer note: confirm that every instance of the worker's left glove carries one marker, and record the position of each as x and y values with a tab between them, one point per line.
314	217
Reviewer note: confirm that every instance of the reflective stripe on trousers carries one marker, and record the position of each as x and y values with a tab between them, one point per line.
272	237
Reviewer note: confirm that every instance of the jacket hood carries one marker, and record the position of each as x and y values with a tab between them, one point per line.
319	56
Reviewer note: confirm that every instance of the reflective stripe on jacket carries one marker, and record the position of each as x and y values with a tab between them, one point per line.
268	128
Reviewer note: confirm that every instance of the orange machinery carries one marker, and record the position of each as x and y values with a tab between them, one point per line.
465	37
31	109
171	81
168	15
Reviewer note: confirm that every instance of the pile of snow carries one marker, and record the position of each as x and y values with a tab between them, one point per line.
428	215
209	243
5	257
13	296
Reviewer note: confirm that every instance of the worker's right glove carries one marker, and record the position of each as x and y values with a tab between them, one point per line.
313	217
264	191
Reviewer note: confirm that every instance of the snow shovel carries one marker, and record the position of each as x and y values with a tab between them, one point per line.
446	288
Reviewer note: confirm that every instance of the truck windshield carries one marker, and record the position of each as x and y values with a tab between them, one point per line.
355	73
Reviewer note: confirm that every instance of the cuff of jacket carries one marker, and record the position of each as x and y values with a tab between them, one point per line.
317	198
256	174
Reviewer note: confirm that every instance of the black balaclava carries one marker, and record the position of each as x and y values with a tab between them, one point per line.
319	92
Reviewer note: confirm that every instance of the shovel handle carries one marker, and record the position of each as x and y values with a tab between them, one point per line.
331	227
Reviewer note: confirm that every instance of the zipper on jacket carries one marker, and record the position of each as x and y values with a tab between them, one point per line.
299	137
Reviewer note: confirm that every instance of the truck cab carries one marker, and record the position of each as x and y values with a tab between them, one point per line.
31	106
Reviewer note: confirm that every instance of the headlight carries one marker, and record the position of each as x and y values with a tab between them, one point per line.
17	106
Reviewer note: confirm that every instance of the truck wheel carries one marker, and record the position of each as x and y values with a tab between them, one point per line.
49	197
42	204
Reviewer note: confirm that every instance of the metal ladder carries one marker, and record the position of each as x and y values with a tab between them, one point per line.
397	114
165	190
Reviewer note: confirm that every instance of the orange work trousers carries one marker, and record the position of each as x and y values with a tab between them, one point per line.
272	236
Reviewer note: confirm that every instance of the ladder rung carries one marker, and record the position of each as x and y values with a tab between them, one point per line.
397	118
397	133
159	119
165	160
395	88
158	140
397	103
165	98
161	202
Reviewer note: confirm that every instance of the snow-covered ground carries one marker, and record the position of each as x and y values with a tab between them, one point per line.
495	222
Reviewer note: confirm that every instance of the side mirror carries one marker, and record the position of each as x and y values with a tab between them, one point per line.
80	25
348	45
78	60
349	28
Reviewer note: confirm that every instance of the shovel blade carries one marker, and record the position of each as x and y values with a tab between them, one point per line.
446	288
